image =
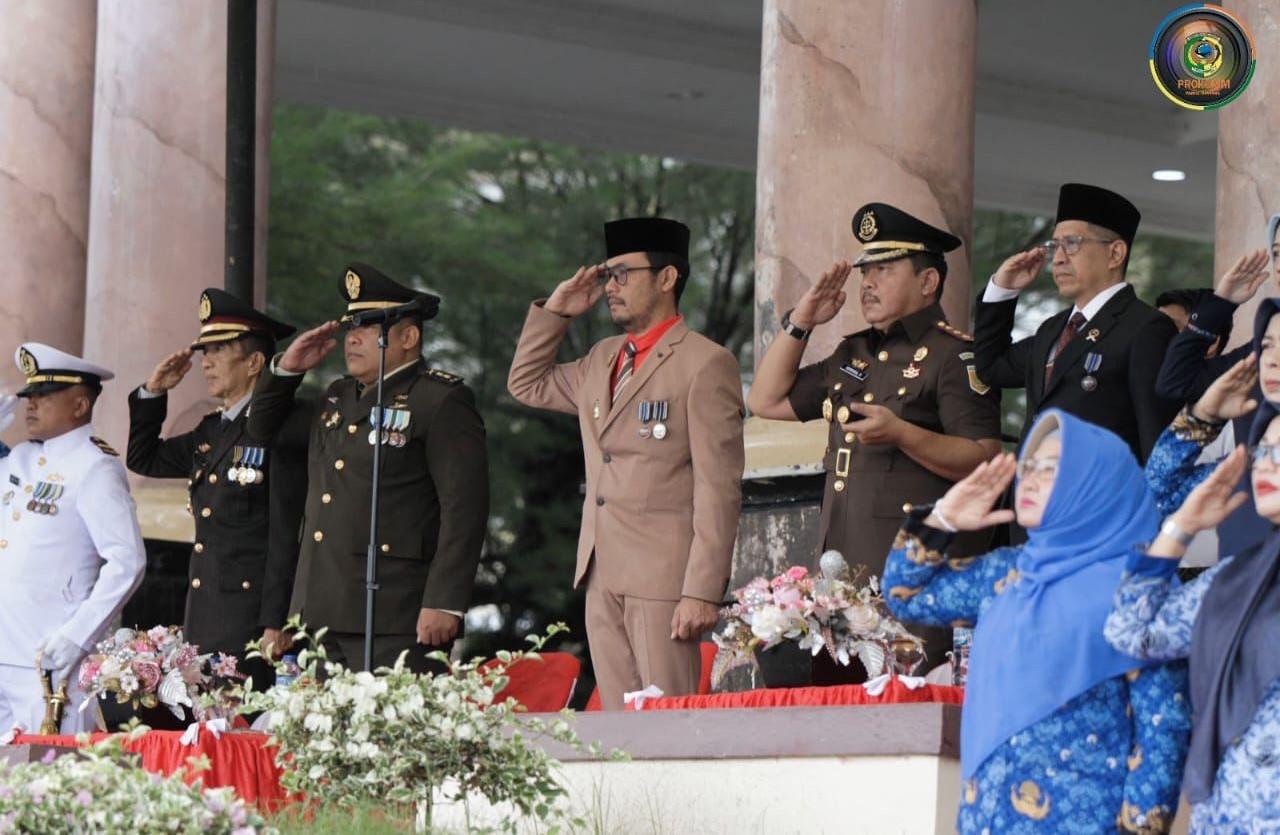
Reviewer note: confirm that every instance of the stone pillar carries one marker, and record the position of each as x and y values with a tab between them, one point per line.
1249	157
46	119
860	101
158	191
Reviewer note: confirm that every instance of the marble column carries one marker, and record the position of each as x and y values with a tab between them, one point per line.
860	101
46	119
1249	157
158	190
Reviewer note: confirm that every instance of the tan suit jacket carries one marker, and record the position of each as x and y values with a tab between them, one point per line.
660	516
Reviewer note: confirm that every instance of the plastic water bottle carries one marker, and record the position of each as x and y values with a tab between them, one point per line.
286	676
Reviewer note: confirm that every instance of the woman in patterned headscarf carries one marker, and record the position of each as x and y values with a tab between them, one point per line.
1227	621
1061	733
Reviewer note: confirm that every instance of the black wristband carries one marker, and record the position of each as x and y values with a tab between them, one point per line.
791	330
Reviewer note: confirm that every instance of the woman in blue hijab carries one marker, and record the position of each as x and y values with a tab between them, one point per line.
1061	733
1227	621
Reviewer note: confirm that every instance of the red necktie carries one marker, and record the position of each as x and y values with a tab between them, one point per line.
1068	333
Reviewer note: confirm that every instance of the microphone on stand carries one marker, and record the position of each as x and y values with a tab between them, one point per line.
425	307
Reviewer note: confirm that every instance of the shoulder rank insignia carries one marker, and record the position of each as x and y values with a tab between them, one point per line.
104	446
946	328
443	376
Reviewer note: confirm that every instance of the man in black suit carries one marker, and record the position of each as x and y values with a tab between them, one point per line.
1098	360
246	496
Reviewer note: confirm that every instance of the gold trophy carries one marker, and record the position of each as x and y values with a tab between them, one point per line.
54	702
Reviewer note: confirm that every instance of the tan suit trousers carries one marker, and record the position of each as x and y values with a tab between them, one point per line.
632	647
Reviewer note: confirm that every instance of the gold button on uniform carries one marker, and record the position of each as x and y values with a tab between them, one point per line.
868	397
386	549
4	543
318	536
206	512
849	437
213	478
40	461
838	386
353	429
199	549
339	464
902	390
883	356
838	486
906	508
326	498
245	585
195	584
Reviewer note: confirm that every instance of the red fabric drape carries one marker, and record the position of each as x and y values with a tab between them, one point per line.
544	684
849	694
240	760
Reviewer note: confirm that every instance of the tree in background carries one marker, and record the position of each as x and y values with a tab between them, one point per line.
490	223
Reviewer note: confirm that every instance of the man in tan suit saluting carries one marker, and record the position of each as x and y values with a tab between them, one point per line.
660	410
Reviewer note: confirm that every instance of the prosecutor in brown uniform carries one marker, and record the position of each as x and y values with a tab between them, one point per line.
908	414
246	497
660	409
434	491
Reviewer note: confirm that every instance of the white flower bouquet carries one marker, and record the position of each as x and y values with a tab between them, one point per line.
157	667
830	611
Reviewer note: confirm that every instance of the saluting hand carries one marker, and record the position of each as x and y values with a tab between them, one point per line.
1213	499
169	372
824	298
306	352
1246	275
576	295
967	505
1230	395
1018	271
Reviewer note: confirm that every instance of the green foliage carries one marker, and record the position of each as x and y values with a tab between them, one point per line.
404	741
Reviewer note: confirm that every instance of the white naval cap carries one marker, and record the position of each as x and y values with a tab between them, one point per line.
47	369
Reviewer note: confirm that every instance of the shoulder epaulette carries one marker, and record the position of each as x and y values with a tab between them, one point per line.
946	328
442	376
104	446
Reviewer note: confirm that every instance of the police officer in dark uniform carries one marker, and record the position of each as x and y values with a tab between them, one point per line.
246	496
908	414
1098	359
434	498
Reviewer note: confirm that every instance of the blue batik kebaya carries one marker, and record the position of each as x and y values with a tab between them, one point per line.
1061	733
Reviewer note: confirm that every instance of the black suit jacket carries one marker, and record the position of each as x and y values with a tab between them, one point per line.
1129	335
246	549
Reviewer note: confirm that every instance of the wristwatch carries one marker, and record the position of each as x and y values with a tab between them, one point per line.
1175	532
793	330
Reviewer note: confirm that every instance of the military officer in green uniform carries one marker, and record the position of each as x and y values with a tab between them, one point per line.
908	414
246	496
434	498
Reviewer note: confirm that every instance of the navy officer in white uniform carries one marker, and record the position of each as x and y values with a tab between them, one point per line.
71	553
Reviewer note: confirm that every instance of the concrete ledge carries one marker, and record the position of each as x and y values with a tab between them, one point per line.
859	731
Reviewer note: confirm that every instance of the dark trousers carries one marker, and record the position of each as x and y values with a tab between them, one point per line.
347	649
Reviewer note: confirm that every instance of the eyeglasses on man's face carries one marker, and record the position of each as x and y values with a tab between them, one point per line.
1071	244
619	273
1265	452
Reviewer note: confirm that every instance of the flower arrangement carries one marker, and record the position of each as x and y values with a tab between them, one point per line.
157	667
830	611
404	741
100	790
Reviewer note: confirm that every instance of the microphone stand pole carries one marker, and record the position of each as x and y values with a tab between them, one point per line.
371	556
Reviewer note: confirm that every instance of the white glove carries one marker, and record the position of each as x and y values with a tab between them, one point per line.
59	654
8	409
